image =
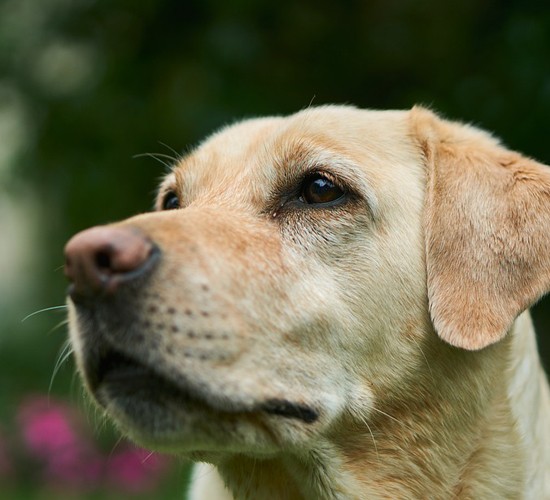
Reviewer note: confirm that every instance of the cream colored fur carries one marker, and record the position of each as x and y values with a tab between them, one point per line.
396	315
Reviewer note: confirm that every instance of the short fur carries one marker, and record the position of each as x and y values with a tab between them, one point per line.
391	325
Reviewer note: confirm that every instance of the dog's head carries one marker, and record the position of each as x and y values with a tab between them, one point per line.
299	270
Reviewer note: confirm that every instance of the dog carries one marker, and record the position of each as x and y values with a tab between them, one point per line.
330	305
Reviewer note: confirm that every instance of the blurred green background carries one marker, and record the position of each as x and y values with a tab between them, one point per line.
86	85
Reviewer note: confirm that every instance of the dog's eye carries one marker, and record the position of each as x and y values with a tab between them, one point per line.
170	201
318	189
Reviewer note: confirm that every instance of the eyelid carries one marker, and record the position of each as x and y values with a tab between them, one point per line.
328	175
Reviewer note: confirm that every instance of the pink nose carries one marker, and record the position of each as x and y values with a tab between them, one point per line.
97	260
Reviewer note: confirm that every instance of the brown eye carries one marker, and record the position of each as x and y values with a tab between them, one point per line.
170	201
318	189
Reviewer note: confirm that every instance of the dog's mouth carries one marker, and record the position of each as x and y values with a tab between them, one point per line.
124	375
118	377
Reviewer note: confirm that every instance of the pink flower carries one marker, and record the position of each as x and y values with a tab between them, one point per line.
56	439
46	427
49	431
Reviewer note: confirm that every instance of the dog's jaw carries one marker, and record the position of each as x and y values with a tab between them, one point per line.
432	463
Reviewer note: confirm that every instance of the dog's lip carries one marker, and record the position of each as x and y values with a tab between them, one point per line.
123	373
120	371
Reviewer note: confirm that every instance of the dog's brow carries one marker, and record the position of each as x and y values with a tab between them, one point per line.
167	181
298	158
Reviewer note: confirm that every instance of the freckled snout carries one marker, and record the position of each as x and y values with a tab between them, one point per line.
99	259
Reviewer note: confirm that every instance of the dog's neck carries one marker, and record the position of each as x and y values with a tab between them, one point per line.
529	397
410	449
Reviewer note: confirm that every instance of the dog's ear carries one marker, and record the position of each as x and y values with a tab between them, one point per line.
487	231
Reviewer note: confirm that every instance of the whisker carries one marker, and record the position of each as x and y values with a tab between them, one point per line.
53	308
417	343
404	424
364	420
147	457
386	414
158	157
426	360
97	417
177	156
163	155
59	325
64	354
115	446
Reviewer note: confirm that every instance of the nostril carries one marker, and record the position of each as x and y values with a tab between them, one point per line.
103	260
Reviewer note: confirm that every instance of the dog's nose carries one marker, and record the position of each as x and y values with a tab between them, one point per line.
99	259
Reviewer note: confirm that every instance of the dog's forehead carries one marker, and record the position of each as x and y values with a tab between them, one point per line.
255	152
327	126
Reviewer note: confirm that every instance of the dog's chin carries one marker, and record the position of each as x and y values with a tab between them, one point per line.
165	415
172	423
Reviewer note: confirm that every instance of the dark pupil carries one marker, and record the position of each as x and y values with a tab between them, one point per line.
321	190
171	201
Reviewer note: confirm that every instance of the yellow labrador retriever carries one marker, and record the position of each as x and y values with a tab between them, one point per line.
330	305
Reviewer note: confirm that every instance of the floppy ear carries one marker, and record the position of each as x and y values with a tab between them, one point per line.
487	231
